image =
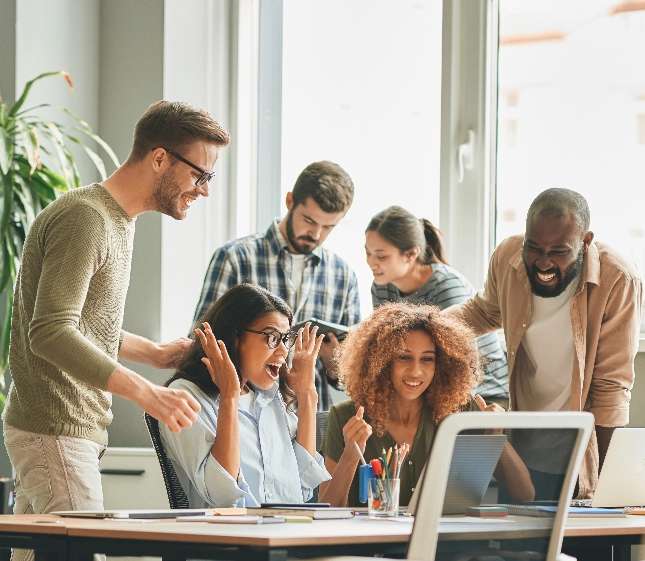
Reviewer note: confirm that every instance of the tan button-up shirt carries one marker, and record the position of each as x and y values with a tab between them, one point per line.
605	316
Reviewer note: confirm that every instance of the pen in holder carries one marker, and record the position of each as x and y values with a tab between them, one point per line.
383	496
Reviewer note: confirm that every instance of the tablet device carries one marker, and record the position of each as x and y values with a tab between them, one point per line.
325	327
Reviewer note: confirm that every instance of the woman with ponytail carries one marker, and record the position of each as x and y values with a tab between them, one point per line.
409	263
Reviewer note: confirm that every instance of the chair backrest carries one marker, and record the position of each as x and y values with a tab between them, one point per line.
176	495
321	425
531	436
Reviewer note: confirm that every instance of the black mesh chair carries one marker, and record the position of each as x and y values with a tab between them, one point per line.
176	495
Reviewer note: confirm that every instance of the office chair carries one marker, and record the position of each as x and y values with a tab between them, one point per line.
176	495
542	540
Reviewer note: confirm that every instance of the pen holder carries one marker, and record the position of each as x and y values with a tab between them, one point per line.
365	473
383	497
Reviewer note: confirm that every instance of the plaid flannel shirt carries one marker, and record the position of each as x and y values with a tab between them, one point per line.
329	289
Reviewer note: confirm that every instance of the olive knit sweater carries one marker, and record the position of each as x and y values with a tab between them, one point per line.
67	315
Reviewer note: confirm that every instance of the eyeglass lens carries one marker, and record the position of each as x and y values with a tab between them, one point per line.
205	178
274	338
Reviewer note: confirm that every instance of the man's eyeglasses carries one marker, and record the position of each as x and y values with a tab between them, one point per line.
205	176
274	337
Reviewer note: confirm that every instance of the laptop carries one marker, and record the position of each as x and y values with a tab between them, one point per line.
125	514
467	480
622	479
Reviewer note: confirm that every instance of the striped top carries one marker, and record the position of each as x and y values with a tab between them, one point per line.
446	287
329	289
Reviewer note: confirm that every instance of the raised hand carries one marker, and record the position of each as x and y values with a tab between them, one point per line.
302	376
493	407
218	363
356	430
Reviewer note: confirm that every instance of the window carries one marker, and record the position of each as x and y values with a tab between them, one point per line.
362	87
576	71
571	113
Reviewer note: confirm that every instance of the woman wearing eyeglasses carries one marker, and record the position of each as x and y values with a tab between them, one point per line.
247	446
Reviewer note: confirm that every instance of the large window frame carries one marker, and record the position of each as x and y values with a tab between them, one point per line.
469	103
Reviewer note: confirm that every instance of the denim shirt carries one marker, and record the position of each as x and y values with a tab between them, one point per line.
273	466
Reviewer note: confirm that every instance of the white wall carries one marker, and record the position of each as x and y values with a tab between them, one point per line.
196	70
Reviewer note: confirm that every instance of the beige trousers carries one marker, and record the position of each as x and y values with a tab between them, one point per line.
53	473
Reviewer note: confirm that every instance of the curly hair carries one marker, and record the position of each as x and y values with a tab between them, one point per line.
365	357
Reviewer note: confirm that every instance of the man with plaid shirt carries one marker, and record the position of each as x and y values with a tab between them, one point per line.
289	260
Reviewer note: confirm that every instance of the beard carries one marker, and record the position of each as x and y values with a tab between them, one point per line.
166	195
293	240
563	280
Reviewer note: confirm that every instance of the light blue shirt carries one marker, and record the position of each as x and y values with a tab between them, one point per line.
273	466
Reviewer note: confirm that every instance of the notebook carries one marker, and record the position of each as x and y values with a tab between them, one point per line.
622	479
324	513
574	512
147	513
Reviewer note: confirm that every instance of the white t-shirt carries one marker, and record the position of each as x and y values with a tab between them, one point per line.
544	382
297	269
246	403
549	345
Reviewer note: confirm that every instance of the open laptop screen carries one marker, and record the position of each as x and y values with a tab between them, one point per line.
531	467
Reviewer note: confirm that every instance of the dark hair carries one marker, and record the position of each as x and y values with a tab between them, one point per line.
173	125
404	231
328	184
229	316
559	203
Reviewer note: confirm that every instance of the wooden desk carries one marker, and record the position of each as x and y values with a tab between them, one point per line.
76	539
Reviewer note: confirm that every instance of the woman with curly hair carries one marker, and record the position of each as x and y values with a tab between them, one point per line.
408	261
247	445
405	368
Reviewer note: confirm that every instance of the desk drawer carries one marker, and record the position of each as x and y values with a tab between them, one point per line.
132	478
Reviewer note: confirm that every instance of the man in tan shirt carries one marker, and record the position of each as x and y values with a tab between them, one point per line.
68	311
570	309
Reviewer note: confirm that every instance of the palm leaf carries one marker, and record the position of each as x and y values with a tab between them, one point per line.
6	150
5	333
96	159
6	186
21	100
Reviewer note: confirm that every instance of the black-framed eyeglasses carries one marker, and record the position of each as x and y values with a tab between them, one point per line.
205	176
274	337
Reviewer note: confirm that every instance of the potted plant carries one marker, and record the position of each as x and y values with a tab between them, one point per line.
27	184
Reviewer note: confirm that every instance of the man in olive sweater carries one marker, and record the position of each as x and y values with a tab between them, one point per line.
68	310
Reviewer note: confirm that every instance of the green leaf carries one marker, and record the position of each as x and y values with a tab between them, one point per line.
25	111
71	162
4	337
96	159
6	202
5	266
102	144
21	100
6	151
22	191
30	145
